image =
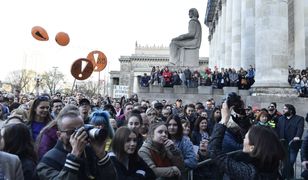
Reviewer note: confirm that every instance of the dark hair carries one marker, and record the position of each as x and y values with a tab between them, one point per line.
133	114
198	121
120	138
268	150
291	108
177	119
53	101
35	104
187	106
213	120
274	103
18	141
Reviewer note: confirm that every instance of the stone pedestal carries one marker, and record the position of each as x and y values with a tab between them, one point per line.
244	93
191	90
227	90
205	90
168	89
272	91
179	89
143	89
156	89
217	91
189	57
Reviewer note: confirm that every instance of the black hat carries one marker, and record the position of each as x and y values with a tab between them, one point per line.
158	105
84	101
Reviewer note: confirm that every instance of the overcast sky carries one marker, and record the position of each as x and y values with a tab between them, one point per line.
111	26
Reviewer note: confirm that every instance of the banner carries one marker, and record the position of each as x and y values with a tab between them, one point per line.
119	91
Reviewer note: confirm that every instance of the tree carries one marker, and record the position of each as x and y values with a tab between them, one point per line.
52	80
22	79
89	88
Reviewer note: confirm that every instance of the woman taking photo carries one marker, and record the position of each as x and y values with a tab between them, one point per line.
16	139
125	158
160	153
262	152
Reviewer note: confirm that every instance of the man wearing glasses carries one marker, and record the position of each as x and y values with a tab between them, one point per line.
273	112
75	156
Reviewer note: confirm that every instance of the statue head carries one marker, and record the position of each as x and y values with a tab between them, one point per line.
193	12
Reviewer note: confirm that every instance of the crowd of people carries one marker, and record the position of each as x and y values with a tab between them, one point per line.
78	137
298	80
243	79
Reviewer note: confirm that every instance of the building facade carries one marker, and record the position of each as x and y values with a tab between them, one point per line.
267	34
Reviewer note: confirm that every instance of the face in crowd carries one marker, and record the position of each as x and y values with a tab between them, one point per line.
68	126
160	134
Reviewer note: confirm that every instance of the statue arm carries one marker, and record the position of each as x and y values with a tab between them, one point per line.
192	30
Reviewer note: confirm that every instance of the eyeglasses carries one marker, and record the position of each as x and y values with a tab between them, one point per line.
69	132
151	114
43	98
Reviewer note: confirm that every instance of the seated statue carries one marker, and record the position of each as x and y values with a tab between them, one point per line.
190	40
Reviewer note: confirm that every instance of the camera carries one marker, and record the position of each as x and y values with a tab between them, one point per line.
238	105
95	133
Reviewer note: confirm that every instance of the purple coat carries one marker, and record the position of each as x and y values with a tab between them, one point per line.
48	141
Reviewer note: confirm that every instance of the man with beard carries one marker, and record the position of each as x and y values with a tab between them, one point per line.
71	158
290	127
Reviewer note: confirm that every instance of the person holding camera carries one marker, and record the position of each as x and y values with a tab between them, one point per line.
261	155
76	154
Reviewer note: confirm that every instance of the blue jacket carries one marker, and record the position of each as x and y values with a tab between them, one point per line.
189	156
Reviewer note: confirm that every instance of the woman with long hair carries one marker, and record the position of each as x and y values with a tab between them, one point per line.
134	123
125	158
261	155
16	139
200	131
39	115
175	131
160	153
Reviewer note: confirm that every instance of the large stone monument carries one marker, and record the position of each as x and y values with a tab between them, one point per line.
184	49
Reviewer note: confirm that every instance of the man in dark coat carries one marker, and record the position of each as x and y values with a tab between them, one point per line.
290	127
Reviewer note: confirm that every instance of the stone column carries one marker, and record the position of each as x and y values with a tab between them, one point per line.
306	32
271	27
222	32
236	34
228	34
215	46
248	34
299	35
218	51
136	83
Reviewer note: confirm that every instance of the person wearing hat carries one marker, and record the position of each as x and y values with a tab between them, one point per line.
178	109
85	109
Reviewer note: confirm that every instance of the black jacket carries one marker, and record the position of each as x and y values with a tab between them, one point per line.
240	166
137	169
289	128
60	164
